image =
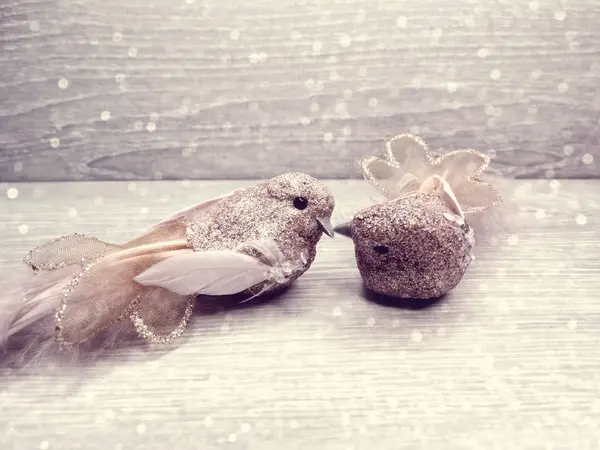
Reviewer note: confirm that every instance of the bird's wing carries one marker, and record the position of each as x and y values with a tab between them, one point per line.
217	272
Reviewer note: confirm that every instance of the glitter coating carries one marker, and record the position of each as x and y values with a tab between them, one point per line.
266	212
63	251
412	247
146	332
275	221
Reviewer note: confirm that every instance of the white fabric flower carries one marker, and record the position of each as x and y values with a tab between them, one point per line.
409	167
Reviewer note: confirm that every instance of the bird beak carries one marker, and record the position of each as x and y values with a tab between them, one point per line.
325	226
344	229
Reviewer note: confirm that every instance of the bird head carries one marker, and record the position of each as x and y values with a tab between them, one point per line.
304	203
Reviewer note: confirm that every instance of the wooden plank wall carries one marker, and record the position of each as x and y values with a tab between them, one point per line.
151	89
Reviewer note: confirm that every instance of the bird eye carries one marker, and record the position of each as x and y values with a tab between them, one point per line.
381	249
300	203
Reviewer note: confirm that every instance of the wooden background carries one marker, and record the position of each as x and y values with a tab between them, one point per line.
223	89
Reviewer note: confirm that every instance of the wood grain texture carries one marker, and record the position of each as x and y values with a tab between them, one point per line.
509	360
231	90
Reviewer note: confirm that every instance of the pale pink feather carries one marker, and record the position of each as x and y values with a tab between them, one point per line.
29	303
29	297
219	272
27	306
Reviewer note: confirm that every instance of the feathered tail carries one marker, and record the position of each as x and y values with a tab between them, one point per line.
27	303
88	294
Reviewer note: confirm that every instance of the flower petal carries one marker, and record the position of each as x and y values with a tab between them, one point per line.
461	169
476	196
391	180
411	154
461	165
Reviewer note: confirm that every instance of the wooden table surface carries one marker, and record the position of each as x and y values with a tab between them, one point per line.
508	360
231	89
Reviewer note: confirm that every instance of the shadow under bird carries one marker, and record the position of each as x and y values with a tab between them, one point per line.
254	240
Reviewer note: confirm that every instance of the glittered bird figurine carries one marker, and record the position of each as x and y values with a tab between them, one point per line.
418	243
254	240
